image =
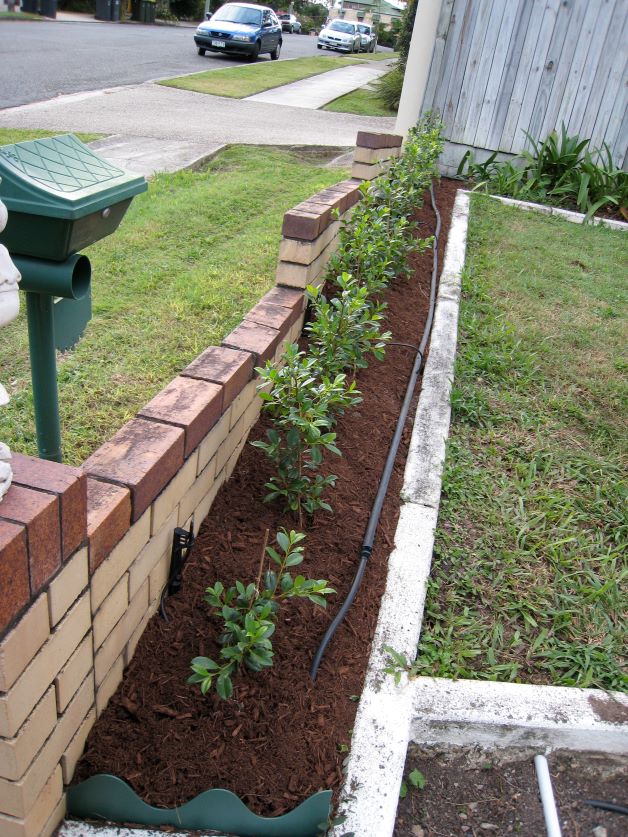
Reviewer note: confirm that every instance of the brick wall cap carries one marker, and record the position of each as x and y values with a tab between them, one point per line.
370	139
260	340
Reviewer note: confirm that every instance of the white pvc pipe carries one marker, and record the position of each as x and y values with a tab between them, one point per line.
550	813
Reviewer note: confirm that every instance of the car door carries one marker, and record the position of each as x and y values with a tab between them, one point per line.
268	34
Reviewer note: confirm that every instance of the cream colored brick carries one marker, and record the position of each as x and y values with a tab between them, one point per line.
74	672
75	748
305	252
16	705
131	647
198	490
230	444
16	754
67	586
233	459
152	552
170	497
18	798
110	611
48	805
19	647
374	155
202	510
113	646
364	171
109	685
122	556
55	819
242	401
158	578
214	439
300	276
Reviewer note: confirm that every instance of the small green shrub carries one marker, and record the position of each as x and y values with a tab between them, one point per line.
303	403
388	87
249	614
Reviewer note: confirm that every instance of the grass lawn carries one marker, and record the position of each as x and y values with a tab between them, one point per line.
192	255
248	79
379	56
10	135
363	101
529	581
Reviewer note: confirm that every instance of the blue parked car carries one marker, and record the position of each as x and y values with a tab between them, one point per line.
241	29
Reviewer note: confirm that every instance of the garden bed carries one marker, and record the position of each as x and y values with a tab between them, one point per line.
281	737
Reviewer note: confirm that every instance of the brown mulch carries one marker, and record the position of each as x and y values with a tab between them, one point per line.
472	792
282	737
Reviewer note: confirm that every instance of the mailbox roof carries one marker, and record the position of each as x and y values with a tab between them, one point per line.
60	177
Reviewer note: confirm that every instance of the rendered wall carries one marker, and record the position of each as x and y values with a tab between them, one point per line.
84	553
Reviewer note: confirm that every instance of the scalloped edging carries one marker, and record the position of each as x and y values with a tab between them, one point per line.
106	797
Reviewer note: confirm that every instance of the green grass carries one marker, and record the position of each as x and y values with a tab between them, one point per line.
192	255
246	80
10	135
379	56
363	101
530	572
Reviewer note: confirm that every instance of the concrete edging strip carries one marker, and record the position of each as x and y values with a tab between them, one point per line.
369	798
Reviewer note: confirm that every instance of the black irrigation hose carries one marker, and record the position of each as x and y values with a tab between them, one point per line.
369	537
607	806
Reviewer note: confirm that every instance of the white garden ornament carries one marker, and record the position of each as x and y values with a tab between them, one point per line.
9	307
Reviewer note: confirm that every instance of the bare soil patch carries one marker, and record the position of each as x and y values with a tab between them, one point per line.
475	793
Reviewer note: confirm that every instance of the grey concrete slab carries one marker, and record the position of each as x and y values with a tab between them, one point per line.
147	156
318	90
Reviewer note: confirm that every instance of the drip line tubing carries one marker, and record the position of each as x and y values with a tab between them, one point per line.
371	528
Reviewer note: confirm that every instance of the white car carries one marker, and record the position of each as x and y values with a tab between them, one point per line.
368	37
341	35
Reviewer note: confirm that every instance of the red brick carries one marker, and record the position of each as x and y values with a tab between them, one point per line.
350	190
39	513
228	367
292	298
108	518
300	224
332	198
320	208
368	139
190	404
144	456
70	486
14	586
260	340
275	316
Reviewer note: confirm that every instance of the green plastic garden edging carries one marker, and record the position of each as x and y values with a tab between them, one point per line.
108	798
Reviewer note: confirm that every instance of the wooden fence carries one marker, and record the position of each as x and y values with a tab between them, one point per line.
501	68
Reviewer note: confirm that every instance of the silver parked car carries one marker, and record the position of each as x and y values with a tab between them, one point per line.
341	35
368	37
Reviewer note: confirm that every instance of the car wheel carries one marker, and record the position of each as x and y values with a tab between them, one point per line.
254	55
318	46
276	52
373	47
201	51
291	30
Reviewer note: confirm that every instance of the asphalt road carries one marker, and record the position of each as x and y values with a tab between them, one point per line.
43	59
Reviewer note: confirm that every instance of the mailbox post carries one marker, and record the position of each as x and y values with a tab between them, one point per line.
61	197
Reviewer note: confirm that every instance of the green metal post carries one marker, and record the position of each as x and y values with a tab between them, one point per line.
41	341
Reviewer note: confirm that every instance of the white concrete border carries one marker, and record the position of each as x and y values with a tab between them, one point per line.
566	214
427	710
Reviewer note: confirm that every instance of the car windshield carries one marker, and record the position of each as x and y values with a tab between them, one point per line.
341	26
365	30
238	14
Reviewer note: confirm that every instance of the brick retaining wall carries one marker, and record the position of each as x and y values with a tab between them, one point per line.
84	552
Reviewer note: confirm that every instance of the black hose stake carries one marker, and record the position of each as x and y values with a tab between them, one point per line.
371	528
182	543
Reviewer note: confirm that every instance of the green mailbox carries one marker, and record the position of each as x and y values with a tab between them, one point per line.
61	197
